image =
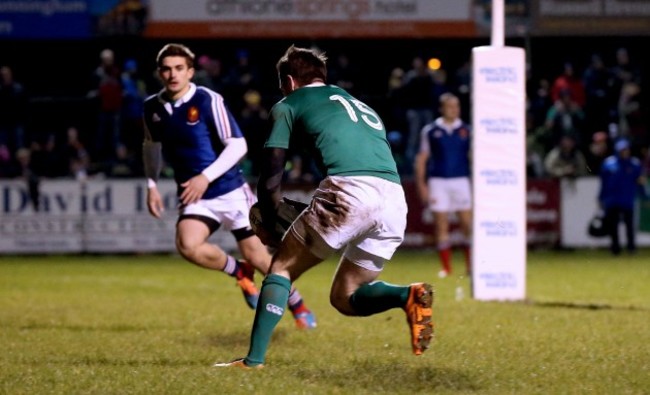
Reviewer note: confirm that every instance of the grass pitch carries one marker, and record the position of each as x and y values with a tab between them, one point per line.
156	324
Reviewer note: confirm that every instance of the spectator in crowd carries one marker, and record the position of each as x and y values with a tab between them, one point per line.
107	91
539	102
645	161
124	164
395	118
344	74
632	116
564	117
396	140
623	70
134	93
13	107
442	171
596	79
535	150
620	177
242	76
565	160
210	74
75	155
440	86
419	103
7	165
46	159
253	121
568	81
26	172
597	152
462	86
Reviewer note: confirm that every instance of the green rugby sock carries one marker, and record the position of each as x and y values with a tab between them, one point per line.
270	308
378	296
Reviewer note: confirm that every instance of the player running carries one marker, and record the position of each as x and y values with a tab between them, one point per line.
359	208
198	136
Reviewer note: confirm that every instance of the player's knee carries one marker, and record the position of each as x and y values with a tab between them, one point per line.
185	249
342	304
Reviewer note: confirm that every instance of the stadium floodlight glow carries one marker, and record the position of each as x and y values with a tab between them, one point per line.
498	167
434	64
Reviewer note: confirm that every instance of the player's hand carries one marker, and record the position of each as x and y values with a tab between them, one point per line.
272	230
194	188
264	228
154	202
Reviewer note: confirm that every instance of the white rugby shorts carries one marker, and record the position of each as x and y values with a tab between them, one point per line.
365	215
450	194
230	210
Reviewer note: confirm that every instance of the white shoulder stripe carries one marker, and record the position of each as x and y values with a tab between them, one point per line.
220	114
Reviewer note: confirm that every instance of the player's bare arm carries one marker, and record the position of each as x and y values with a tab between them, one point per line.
152	159
420	176
269	191
154	202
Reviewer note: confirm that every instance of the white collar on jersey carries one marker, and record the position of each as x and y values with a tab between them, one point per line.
449	128
184	99
314	84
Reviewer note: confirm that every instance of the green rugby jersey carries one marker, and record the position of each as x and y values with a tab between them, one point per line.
343	135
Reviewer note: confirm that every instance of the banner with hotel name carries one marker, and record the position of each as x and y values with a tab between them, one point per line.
591	17
310	19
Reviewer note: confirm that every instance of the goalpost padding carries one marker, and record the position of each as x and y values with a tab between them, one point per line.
498	173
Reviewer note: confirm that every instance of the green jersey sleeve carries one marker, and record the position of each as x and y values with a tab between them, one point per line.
282	124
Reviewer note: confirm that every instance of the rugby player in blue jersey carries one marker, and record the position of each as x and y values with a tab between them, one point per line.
193	130
442	169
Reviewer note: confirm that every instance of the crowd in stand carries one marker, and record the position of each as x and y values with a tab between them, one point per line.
574	117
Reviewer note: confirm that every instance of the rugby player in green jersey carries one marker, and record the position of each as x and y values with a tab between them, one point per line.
358	210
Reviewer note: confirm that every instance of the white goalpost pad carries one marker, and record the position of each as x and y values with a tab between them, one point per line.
498	173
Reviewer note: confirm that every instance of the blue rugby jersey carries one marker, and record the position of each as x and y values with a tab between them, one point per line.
448	148
192	131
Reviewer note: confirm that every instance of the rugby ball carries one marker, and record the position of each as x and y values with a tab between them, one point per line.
288	211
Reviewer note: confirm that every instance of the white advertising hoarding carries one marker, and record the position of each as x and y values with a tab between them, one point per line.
56	227
111	216
299	10
498	173
94	216
90	216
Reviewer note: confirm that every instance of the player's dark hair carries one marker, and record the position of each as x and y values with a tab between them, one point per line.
303	64
175	50
446	97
